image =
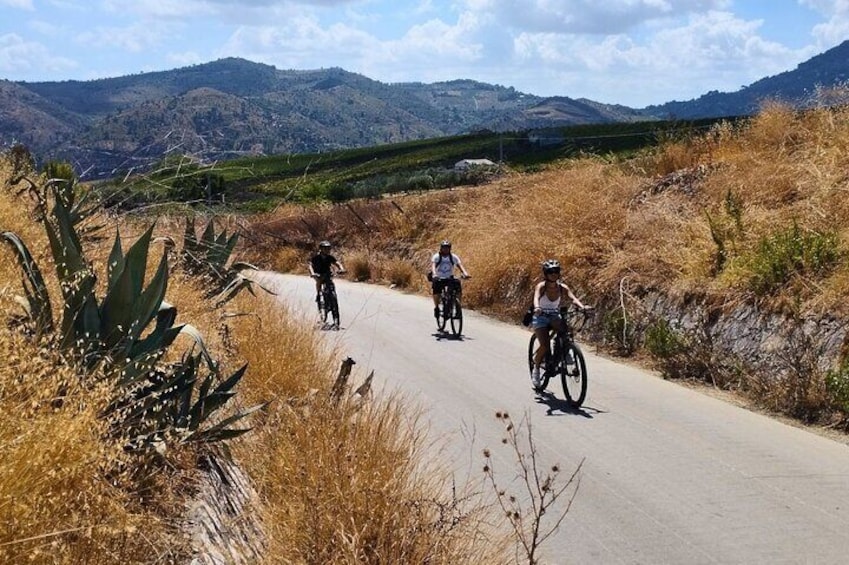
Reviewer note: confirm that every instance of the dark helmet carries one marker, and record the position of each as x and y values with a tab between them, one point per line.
324	244
445	243
551	266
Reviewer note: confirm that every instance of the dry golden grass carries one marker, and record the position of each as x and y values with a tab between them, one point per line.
399	273
338	483
66	494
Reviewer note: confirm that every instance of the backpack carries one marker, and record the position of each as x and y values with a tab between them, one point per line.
529	316
429	274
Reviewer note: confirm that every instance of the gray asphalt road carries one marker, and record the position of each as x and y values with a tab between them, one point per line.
670	475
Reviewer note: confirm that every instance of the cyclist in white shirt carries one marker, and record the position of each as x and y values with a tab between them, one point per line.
443	264
547	304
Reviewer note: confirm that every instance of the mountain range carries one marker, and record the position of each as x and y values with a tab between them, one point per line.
234	107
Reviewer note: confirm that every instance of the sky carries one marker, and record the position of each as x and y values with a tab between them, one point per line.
630	52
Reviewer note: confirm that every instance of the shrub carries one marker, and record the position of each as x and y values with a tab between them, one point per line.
399	272
420	182
618	332
662	341
837	386
790	252
359	267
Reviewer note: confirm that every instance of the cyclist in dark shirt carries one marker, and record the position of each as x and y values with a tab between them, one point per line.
321	264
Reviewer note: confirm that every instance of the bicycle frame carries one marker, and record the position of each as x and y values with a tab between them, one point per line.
451	309
330	304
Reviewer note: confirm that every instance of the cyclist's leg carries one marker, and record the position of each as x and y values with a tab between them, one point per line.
436	288
542	339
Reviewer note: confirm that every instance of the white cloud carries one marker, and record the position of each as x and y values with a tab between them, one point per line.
587	16
836	29
299	42
22	4
21	56
133	38
185	59
712	51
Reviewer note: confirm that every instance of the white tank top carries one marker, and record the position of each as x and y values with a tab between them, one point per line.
546	304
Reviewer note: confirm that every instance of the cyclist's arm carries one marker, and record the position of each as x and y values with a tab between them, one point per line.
434	262
537	294
572	297
312	270
463	270
339	266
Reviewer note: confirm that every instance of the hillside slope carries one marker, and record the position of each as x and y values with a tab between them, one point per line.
799	87
235	107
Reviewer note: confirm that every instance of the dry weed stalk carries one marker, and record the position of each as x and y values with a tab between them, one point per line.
541	491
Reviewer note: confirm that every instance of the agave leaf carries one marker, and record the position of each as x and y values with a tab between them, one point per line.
207	238
193	332
40	309
66	254
215	431
190	242
138	368
148	305
160	395
120	307
136	260
234	287
184	402
206	404
239	266
220	435
80	318
163	334
65	226
116	262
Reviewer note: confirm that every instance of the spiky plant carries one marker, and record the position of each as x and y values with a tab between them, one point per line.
126	335
208	256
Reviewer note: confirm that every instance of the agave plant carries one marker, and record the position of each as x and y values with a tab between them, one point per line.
208	257
126	335
62	184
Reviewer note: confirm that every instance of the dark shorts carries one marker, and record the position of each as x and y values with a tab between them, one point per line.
438	284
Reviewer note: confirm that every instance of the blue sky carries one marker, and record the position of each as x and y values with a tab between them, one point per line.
631	52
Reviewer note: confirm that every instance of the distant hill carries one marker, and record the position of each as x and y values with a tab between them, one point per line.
233	107
798	87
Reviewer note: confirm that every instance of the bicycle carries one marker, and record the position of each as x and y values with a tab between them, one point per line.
564	358
449	308
328	306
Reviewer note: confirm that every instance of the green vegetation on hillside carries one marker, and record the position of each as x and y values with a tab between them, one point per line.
256	183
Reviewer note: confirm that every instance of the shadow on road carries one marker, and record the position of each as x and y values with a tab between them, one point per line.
559	406
448	336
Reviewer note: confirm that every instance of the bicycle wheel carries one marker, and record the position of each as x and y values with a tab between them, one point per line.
324	307
456	318
573	375
333	307
442	319
544	376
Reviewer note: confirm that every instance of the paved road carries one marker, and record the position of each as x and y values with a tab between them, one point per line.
670	475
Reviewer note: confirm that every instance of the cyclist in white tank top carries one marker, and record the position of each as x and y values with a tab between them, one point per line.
547	302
